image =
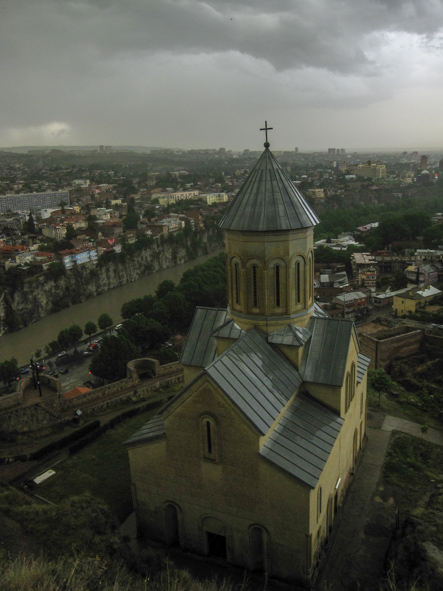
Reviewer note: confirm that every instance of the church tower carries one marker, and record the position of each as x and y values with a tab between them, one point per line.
269	245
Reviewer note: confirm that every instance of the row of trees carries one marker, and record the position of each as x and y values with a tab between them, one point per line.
69	337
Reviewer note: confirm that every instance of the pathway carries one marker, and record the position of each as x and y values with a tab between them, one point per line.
359	543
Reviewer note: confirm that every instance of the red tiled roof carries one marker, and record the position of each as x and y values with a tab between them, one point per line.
77	391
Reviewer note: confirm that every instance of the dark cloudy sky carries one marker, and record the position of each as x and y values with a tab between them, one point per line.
191	73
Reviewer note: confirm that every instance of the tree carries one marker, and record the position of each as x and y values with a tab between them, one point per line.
114	355
90	328
8	370
64	338
70	232
130	221
29	226
63	207
164	287
105	321
75	334
379	381
400	280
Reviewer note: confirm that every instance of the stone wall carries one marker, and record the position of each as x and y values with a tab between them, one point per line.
31	418
385	345
168	375
53	408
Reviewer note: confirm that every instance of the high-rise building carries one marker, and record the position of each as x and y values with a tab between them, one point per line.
33	201
424	162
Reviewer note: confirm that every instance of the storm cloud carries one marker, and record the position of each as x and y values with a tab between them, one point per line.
186	73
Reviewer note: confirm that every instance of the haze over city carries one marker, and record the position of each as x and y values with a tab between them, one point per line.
188	74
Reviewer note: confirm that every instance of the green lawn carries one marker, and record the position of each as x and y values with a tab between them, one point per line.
101	469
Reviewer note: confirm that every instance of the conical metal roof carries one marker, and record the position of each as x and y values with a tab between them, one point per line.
267	201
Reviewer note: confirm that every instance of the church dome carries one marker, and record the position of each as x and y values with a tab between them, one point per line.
268	201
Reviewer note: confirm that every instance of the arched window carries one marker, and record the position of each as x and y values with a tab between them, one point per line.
277	286
319	504
236	284
348	391
254	287
297	282
310	277
210	438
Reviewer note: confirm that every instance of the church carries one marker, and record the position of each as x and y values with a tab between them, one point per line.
250	461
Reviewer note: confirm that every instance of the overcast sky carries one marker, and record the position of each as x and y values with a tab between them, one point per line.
207	74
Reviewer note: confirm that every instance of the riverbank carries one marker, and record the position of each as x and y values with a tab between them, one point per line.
23	343
26	299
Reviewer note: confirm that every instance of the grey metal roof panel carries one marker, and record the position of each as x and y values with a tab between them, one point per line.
200	348
268	201
325	354
228	330
295	336
303	440
256	377
319	312
363	362
153	429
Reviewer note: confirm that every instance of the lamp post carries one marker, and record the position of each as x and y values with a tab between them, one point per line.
36	376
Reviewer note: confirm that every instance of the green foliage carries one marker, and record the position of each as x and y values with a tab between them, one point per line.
144	331
166	355
62	245
142	305
400	280
55	270
75	334
111	361
70	232
90	328
8	370
165	287
104	321
29	226
130	221
379	380
64	338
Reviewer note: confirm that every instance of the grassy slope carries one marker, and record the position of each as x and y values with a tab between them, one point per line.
101	469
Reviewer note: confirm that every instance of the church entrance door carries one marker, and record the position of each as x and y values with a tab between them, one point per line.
216	545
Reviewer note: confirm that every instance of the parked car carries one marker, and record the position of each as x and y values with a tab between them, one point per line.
24	371
64	370
62	355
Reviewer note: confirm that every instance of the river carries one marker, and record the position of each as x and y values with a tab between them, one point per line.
23	343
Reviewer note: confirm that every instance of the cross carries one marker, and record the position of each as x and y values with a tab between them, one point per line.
266	129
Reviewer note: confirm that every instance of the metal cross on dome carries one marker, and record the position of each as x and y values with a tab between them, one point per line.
266	129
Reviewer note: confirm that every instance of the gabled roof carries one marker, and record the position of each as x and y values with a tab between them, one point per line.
268	201
290	335
302	441
257	378
200	348
325	354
